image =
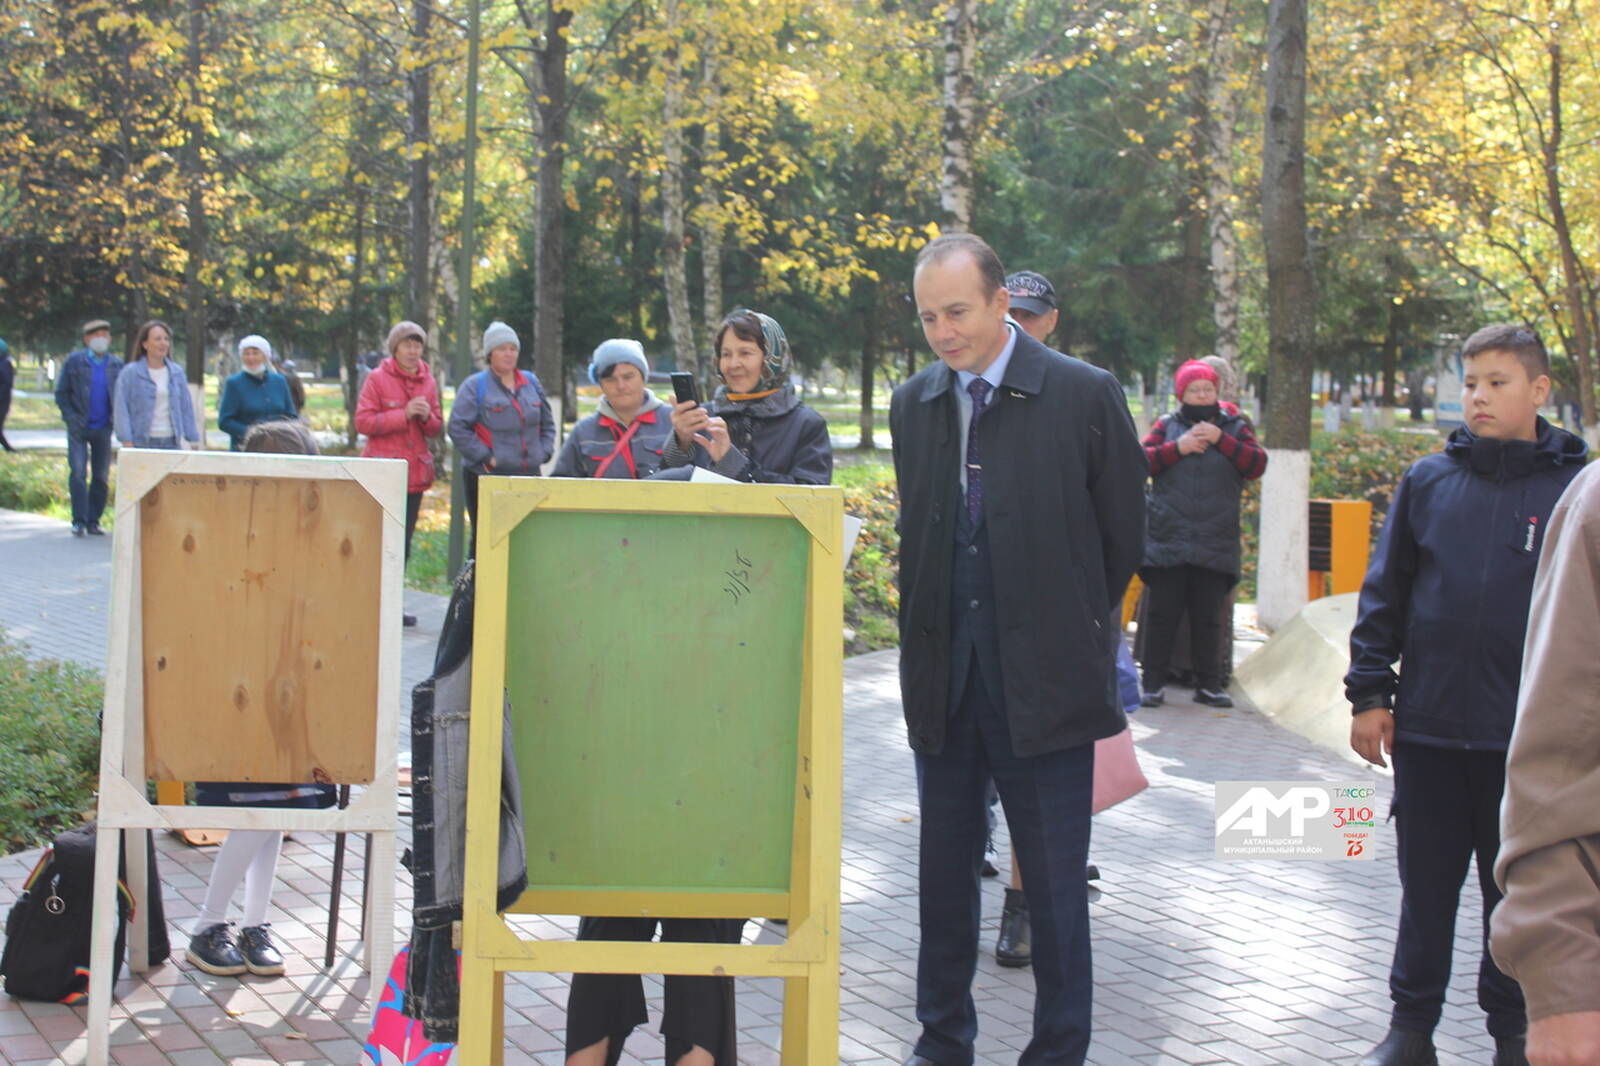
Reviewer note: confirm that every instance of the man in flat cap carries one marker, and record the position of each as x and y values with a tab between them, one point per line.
84	388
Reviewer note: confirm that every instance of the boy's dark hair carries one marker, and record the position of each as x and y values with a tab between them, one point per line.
941	248
1520	341
282	437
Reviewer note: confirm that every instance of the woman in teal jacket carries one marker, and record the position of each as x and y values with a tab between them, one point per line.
254	394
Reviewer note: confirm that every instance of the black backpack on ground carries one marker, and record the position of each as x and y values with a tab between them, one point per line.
49	928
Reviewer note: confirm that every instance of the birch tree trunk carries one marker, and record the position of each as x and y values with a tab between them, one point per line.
710	221
960	113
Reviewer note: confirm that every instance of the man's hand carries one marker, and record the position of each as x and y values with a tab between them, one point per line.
1206	431
1565	1040
1372	734
1192	444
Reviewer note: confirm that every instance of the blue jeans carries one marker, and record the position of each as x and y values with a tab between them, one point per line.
1046	800
88	462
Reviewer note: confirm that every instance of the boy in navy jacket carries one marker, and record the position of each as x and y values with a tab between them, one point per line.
1448	595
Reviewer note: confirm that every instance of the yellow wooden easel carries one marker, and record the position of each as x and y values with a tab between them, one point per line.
808	960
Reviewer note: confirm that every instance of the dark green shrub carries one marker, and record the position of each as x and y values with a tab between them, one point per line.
49	746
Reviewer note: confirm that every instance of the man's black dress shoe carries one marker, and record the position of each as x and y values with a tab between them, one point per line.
1402	1047
1511	1050
918	1060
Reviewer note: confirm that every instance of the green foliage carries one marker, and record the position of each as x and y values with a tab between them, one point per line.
1349	465
871	597
50	737
35	482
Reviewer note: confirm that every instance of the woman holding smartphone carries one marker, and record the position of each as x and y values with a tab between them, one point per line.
756	428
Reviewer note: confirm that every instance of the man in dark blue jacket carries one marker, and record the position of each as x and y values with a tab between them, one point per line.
1021	519
84	390
1448	594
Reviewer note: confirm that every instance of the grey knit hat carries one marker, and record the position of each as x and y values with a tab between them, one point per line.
614	351
497	334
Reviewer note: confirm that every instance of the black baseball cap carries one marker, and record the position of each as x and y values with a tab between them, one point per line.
1031	292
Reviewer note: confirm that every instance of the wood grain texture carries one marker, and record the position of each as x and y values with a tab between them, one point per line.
259	604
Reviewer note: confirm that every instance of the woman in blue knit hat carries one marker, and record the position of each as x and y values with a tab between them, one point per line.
628	435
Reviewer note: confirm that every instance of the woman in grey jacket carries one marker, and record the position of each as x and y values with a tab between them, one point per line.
151	408
627	436
756	428
500	421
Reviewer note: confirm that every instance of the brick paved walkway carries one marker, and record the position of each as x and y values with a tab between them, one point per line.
1196	961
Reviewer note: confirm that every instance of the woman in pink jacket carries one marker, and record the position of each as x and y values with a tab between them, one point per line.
398	411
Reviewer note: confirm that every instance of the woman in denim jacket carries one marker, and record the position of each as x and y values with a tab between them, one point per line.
151	408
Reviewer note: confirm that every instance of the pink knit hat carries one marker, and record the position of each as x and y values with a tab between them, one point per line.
1190	372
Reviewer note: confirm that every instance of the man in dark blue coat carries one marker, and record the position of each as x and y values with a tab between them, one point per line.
1022	519
1447	595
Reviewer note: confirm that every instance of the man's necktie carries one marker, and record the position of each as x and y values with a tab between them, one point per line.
979	389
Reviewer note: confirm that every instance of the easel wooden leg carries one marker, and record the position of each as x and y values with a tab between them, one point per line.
380	917
796	1013
136	846
102	941
482	1024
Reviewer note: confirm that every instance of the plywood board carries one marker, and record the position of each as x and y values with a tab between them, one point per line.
654	663
259	602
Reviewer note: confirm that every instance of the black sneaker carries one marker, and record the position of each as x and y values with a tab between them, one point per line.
213	950
77	529
1209	698
95	530
1091	872
1153	699
260	957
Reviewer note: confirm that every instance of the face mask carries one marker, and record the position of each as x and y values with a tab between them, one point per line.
1193	413
98	344
256	371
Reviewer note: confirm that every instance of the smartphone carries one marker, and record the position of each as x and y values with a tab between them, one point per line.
685	387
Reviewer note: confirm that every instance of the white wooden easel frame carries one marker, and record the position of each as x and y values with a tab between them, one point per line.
122	803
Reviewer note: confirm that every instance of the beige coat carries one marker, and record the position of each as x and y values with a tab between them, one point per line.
1546	933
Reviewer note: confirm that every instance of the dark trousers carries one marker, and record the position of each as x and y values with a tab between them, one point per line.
698	1011
1174	591
1447	809
88	464
1046	799
413	508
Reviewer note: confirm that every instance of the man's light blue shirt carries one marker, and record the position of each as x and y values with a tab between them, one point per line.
995	373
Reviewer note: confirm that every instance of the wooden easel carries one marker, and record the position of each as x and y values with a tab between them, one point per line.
254	635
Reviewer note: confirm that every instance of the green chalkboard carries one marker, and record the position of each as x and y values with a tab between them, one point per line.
654	665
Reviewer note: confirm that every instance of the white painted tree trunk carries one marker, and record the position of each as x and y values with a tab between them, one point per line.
1282	564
